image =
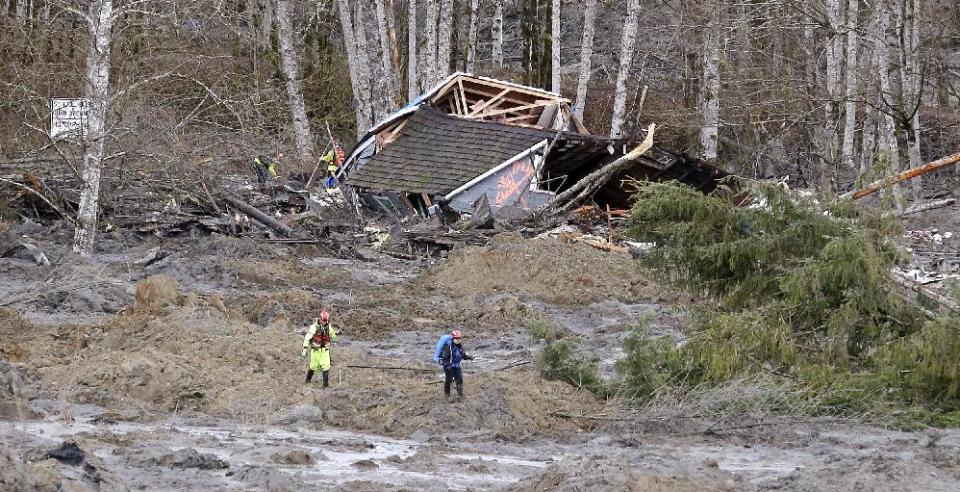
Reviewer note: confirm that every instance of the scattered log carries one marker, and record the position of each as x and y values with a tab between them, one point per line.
904	176
923	207
390	368
55	208
586	187
904	281
259	216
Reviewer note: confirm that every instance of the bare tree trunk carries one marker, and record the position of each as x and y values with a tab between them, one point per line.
385	50
444	35
291	72
360	86
266	22
364	73
833	90
21	12
710	130
497	31
630	25
97	92
555	47
394	49
888	149
413	74
472	36
850	123
910	69
430	51
586	54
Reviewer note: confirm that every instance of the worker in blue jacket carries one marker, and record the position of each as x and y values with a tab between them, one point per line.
449	353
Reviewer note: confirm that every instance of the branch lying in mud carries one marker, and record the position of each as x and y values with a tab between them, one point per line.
56	209
391	368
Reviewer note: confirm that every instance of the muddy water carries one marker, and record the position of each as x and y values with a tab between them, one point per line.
800	458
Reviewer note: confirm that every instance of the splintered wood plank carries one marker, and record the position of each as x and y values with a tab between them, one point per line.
515	109
490	101
463	96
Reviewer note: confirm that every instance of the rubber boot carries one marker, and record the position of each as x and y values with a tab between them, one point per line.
309	375
326	379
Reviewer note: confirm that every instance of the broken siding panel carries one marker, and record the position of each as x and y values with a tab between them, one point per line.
506	187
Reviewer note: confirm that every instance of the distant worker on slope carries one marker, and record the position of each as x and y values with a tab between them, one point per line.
449	353
266	167
318	339
330	159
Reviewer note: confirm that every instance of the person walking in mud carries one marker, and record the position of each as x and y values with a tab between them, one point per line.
450	353
317	342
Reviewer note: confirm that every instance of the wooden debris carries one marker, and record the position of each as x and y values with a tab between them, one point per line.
904	176
259	216
923	207
904	281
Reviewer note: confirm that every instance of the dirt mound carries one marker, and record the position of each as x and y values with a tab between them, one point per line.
546	269
13	330
572	473
157	291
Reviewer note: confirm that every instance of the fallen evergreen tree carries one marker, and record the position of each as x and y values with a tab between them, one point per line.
802	294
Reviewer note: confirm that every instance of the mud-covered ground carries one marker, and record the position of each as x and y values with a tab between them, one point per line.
175	365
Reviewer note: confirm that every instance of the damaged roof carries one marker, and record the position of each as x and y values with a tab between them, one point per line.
436	153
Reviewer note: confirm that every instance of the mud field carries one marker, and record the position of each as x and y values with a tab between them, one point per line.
176	365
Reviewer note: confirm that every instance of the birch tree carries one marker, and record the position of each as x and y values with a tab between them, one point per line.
555	46
413	74
97	92
850	110
444	35
710	98
834	56
888	149
496	28
628	41
586	54
908	34
291	73
472	36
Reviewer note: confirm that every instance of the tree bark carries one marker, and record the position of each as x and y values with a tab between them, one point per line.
444	36
413	74
710	111
291	73
360	86
630	25
259	216
97	92
385	53
364	72
430	53
497	32
555	47
853	7
586	54
472	36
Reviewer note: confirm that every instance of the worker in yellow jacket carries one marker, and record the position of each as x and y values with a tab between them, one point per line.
317	341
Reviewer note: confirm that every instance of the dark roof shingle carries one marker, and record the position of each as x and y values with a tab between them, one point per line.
437	153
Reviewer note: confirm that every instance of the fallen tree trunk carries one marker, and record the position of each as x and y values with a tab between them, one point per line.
909	283
259	216
923	207
390	368
586	187
904	176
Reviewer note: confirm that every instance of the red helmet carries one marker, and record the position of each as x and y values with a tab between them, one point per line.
324	316
456	334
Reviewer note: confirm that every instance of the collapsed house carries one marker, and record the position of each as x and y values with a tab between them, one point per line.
473	137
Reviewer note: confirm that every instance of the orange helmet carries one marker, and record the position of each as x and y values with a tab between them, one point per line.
456	334
324	316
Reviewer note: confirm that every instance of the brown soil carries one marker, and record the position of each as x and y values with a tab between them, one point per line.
548	270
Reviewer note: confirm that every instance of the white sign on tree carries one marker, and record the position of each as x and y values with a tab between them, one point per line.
68	117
